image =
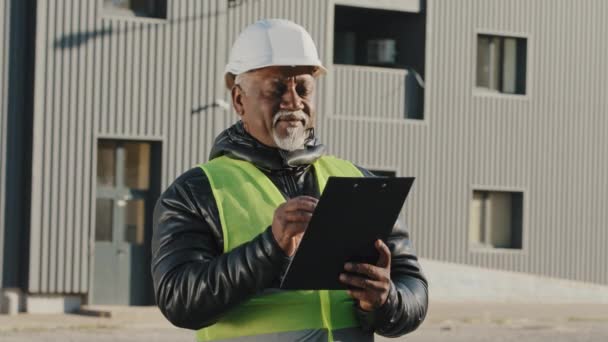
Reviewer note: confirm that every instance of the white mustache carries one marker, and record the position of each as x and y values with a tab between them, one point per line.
298	115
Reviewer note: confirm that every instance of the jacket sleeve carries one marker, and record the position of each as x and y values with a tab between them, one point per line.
407	302
195	283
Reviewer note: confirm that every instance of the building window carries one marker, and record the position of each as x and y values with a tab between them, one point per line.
496	219
123	186
136	8
501	64
384	173
390	39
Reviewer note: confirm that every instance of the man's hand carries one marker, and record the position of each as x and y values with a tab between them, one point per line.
373	283
291	220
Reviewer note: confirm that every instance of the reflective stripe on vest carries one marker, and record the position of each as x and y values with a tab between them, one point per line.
246	199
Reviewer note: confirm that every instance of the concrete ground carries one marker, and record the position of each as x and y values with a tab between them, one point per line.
445	322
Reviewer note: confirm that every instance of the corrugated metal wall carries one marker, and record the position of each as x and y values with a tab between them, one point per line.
107	77
550	143
4	51
380	94
101	77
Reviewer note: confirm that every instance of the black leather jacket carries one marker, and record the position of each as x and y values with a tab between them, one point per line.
195	282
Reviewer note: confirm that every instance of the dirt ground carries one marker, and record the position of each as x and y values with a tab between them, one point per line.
445	322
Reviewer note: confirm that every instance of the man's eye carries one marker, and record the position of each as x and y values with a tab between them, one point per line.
278	91
302	90
272	93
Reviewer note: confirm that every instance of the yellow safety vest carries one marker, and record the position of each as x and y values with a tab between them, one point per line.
246	200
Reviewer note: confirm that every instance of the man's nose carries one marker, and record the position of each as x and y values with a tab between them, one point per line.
291	100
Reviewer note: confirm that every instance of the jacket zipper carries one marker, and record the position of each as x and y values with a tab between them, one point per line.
292	189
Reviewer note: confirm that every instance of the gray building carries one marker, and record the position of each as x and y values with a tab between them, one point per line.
498	107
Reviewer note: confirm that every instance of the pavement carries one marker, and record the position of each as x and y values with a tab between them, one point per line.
445	322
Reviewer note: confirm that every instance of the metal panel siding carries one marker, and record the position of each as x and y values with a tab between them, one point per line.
110	77
99	76
4	50
380	94
547	143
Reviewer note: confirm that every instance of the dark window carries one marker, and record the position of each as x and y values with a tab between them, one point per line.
106	168
136	8
390	39
384	173
496	219
387	39
501	64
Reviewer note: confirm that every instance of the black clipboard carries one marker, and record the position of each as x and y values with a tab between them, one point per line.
351	215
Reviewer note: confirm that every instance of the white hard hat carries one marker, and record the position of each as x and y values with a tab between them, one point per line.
273	42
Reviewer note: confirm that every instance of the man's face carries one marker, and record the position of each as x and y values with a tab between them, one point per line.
276	105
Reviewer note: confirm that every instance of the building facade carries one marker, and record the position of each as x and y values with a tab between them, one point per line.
497	107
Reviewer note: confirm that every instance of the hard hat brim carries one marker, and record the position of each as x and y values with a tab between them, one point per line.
320	70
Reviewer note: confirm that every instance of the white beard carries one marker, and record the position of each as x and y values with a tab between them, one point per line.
296	136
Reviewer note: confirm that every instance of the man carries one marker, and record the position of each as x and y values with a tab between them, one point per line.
225	231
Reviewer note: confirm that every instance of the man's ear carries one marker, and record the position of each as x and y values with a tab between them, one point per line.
237	99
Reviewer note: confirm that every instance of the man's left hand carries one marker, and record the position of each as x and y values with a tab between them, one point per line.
370	283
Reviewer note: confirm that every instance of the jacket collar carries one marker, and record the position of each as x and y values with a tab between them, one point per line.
236	143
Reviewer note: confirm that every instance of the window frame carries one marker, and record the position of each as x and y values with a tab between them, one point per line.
383	170
129	15
477	249
121	190
365	5
481	92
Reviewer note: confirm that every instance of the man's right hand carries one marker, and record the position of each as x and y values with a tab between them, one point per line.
291	220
